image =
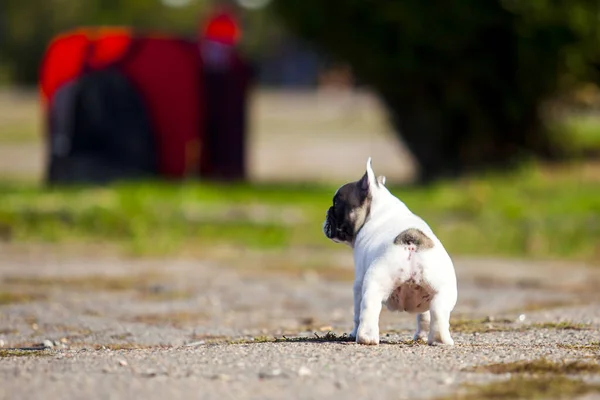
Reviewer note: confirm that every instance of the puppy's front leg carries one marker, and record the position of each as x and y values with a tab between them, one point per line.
370	308
357	303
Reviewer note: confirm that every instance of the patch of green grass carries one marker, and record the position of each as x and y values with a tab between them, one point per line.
578	134
589	346
540	366
18	297
537	212
560	326
6	353
527	388
484	325
536	379
487	325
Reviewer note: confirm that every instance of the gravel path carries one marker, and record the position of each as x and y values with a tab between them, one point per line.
122	328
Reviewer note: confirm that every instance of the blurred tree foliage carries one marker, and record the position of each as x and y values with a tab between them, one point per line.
463	80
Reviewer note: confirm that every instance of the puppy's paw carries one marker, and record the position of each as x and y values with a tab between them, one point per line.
443	342
353	333
420	336
367	336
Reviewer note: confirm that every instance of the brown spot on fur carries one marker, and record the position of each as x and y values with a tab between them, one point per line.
415	237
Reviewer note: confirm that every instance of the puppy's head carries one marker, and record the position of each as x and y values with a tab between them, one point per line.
351	207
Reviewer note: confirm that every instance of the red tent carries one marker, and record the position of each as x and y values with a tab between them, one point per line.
165	72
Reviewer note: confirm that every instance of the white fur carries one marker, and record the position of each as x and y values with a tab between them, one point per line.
381	267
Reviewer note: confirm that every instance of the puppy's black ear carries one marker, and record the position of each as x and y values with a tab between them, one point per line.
363	185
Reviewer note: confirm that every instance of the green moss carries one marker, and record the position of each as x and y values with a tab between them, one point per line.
590	346
540	366
560	326
19	297
481	325
506	325
527	388
5	353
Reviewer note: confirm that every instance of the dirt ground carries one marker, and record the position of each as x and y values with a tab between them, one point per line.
87	323
122	328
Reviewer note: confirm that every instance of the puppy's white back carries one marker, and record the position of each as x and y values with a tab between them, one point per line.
376	241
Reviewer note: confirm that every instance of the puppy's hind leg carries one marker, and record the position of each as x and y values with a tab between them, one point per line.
423	322
439	330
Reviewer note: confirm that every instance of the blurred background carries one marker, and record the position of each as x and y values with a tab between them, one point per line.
180	126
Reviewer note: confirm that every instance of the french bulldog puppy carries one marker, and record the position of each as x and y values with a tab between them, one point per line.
398	261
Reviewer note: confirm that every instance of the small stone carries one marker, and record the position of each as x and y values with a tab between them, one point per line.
522	318
48	343
304	371
106	370
448	380
221	377
269	374
157	288
194	344
123	363
64	340
2	343
34	326
339	384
